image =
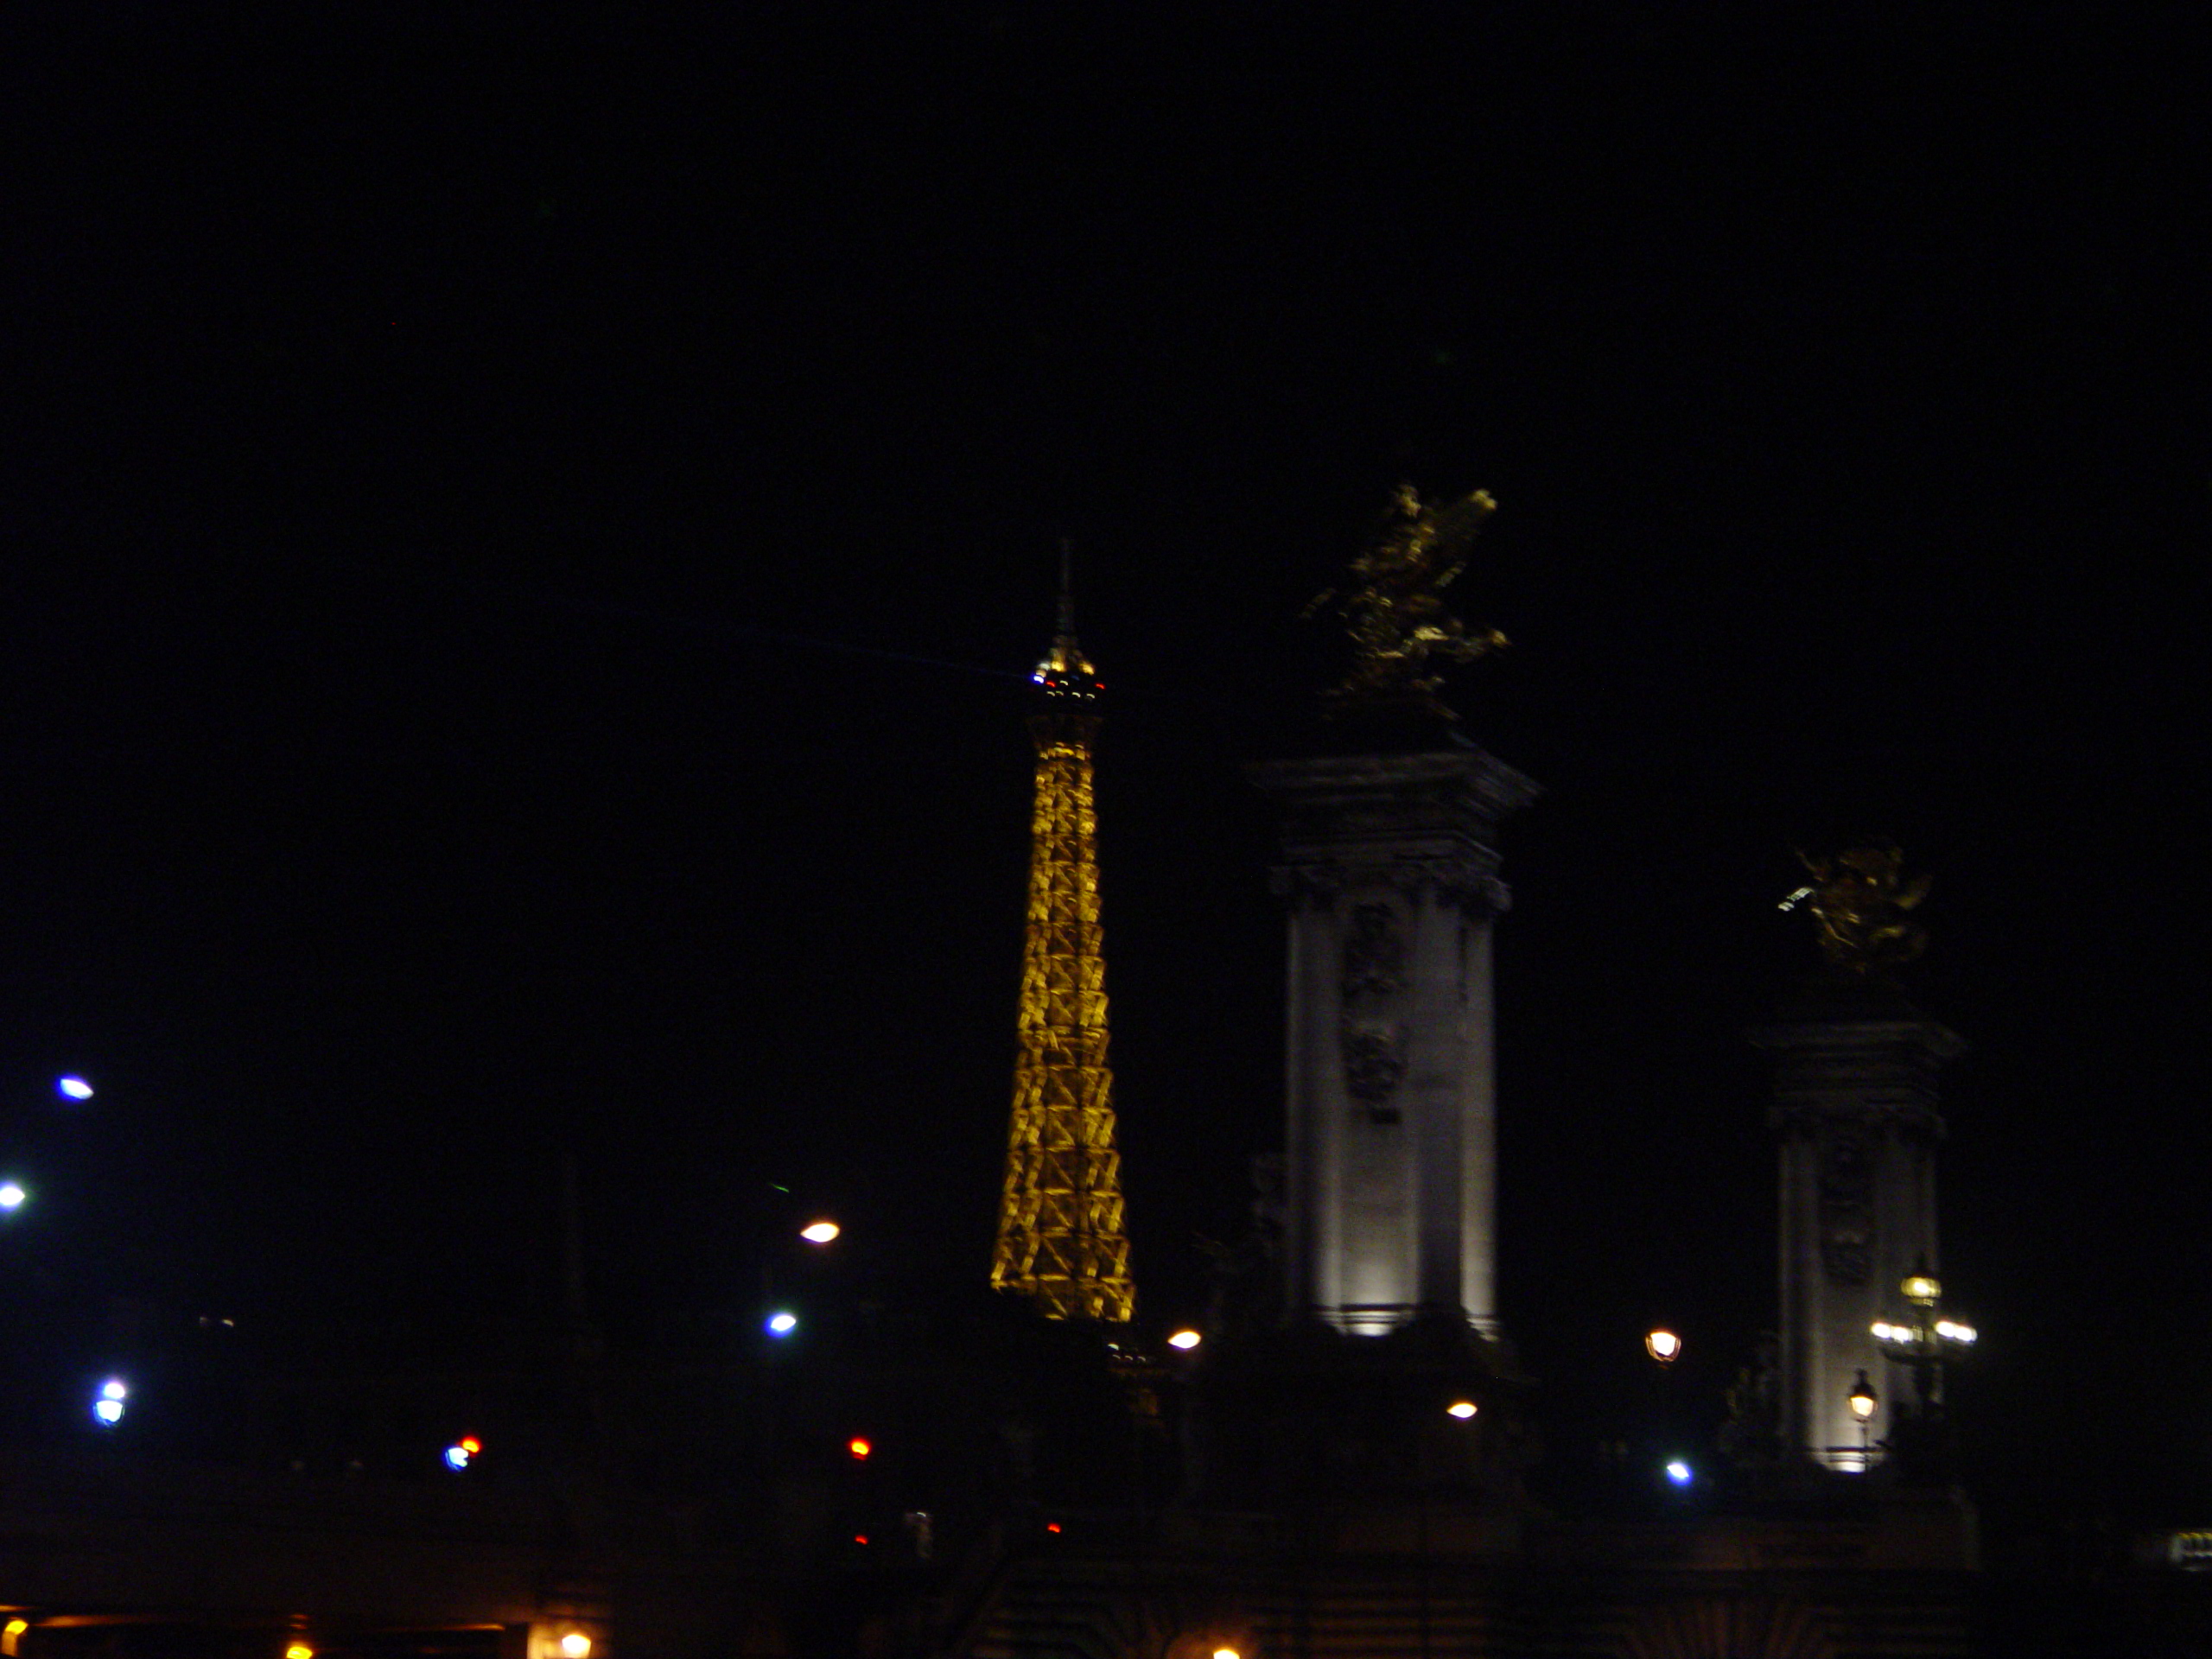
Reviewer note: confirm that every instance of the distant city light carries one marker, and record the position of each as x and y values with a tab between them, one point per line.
113	1389
1462	1409
75	1087
1663	1346
1226	1653
1949	1329
1186	1340
457	1457
471	1444
299	1650
11	1195
109	1407
859	1449
782	1325
820	1233
1679	1472
576	1645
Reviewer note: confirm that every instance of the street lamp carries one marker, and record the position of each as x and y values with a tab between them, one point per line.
1925	1342
1185	1340
1665	1346
820	1232
1862	1407
11	1195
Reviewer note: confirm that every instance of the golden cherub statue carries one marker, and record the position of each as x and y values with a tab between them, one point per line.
1861	900
1392	609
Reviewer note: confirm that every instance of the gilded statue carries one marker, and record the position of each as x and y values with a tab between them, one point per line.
1393	610
1863	905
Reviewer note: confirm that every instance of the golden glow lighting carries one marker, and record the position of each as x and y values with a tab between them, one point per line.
576	1645
1462	1409
1663	1346
820	1232
1186	1340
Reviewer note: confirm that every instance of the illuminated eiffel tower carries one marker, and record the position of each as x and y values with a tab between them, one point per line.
1060	1242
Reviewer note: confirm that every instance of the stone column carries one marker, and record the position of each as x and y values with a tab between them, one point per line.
1855	1116
1390	877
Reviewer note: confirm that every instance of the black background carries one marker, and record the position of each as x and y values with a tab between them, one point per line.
526	535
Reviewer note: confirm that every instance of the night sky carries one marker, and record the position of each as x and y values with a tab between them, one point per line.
525	537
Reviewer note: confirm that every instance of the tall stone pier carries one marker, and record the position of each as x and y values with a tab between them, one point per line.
1389	873
1855	1116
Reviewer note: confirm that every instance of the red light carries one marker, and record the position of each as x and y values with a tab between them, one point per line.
859	1537
471	1444
1051	1526
859	1448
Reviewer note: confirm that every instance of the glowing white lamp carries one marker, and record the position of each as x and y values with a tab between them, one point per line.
1679	1472
11	1195
576	1645
1665	1346
820	1232
782	1324
1462	1409
75	1087
1185	1340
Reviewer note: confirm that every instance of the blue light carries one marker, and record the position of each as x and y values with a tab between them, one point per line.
1679	1472
11	1195
782	1325
456	1456
108	1408
75	1087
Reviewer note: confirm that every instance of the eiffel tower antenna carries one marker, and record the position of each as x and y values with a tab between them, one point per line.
1061	1241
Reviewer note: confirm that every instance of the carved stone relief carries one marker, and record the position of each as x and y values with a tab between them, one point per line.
1372	974
1846	1210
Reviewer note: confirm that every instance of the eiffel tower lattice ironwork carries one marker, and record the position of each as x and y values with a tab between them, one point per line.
1061	1241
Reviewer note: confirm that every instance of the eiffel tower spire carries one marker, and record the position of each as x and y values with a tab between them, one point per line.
1061	1241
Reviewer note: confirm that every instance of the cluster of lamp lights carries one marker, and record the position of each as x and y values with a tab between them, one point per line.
574	1644
107	1404
1923	1291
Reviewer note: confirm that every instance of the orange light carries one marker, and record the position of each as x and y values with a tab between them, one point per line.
299	1650
859	1448
471	1444
1051	1526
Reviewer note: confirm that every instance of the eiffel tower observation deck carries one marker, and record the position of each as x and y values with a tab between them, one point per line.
1061	1241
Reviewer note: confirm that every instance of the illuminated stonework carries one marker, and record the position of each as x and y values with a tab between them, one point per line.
1060	1239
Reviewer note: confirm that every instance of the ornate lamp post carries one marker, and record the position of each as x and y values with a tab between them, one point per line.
1925	1342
